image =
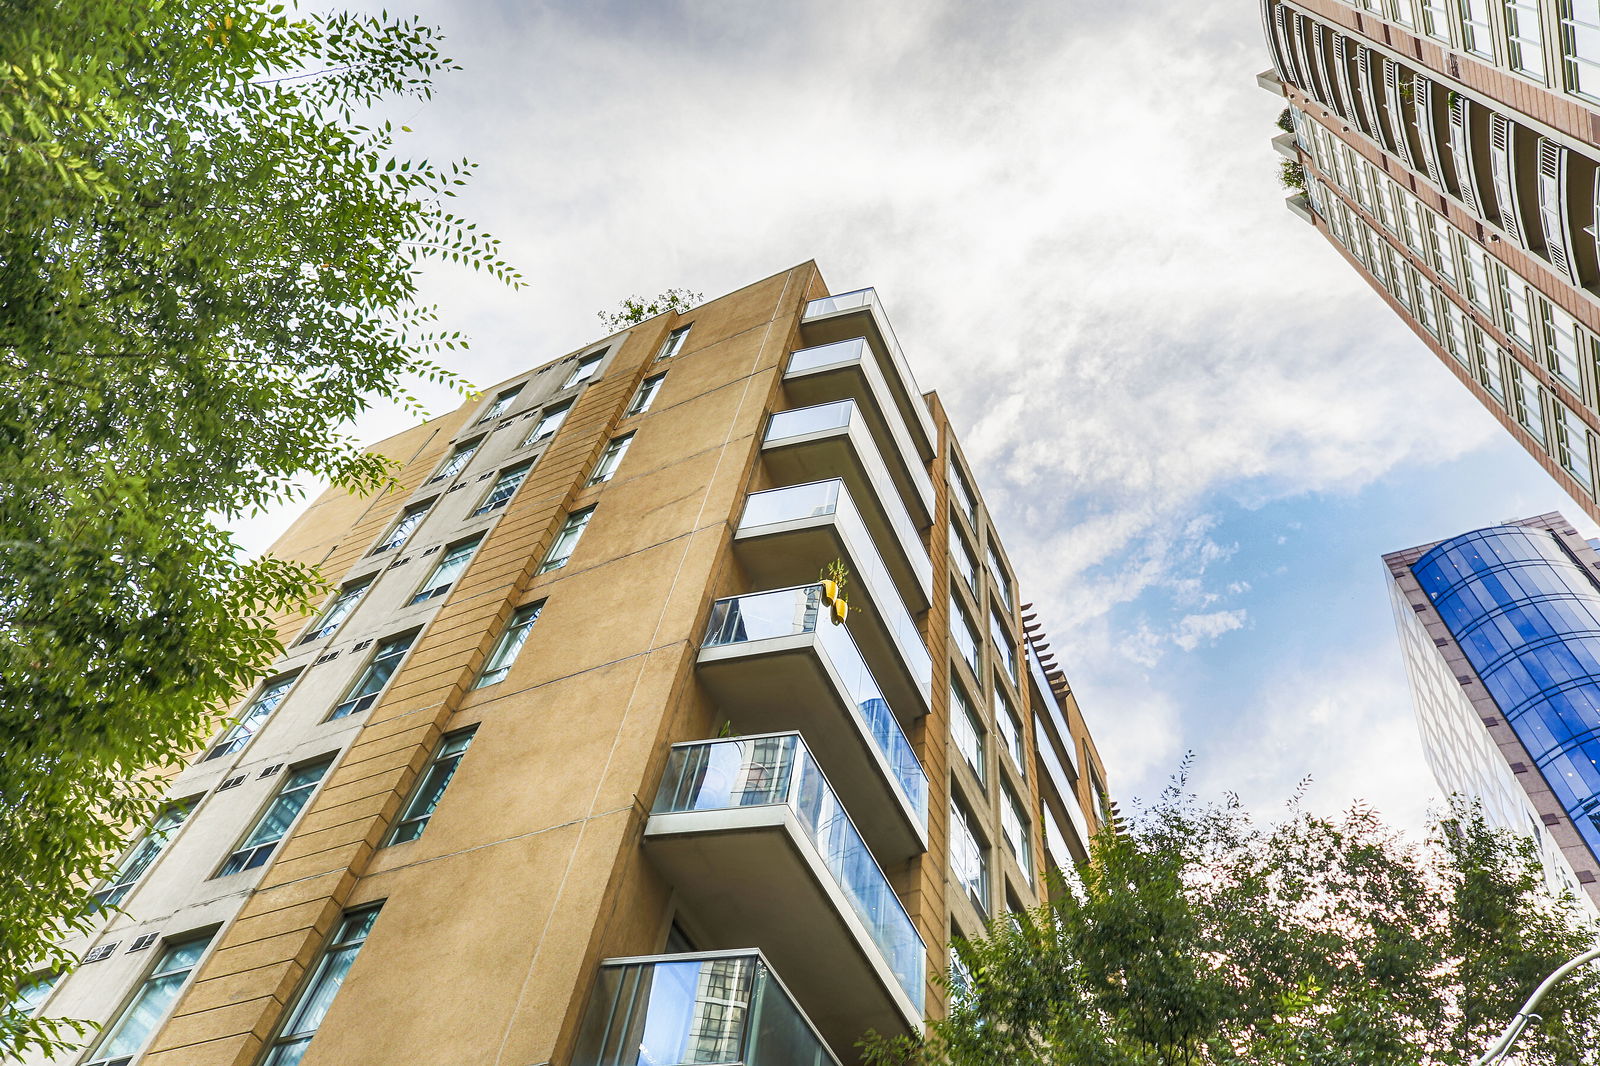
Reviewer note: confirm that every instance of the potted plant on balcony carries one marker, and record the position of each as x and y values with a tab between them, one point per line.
835	576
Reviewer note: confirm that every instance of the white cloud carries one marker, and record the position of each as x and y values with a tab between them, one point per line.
1197	629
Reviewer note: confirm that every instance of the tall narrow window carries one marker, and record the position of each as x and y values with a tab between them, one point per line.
1003	644
435	779
962	494
963	633
1523	35
646	395
1014	826
141	855
674	343
304	1018
584	370
407	524
444	575
1436	19
337	611
1518	318
1565	344
1571	445
501	404
504	488
961	556
1527	404
510	645
258	712
364	693
273	825
968	861
1580	46
566	541
966	731
548	423
459	458
1009	727
611	458
1002	580
122	1040
1477	32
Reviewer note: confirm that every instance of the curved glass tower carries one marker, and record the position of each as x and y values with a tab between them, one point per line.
1501	633
1527	616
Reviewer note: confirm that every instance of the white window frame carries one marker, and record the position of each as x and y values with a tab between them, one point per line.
566	541
586	368
252	856
610	458
390	649
509	646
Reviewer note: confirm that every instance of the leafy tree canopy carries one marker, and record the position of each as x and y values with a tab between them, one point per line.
209	255
1198	936
635	309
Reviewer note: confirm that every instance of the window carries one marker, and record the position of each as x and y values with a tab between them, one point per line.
968	862
141	855
364	693
1518	318
1002	581
1477	33
504	488
961	555
458	460
1526	43
1458	333
1003	644
501	403
337	611
1489	361
435	779
1015	829
311	1005
1526	405
273	825
645	396
962	492
1580	46
1404	12
1565	342
409	520
963	633
1477	270
254	715
1441	247
611	458
1009	726
674	343
567	540
1435	19
31	993
966	731
548	423
126	1037
1427	304
1571	445
511	642
584	370
444	575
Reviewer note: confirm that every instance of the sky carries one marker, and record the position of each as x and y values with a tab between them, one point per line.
1196	427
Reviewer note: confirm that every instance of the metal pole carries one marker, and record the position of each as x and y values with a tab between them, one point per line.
1501	1047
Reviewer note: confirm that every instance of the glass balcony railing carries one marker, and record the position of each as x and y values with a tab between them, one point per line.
824	498
673	1010
791	612
778	770
799	421
867	299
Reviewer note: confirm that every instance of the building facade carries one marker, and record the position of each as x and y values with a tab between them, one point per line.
584	762
1500	631
1450	150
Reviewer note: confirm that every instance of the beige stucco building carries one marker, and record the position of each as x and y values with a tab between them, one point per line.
580	698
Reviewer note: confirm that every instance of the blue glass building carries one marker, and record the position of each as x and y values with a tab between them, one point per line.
1525	612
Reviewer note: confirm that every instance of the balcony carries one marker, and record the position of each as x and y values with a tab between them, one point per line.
833	440
718	1007
787	535
860	314
761	851
847	370
774	661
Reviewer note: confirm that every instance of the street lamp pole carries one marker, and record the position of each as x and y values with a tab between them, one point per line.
1502	1047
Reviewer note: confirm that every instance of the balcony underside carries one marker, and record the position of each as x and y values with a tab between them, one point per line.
862	321
749	876
783	683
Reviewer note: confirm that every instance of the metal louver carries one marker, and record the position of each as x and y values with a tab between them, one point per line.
1553	217
1426	92
1461	150
1502	166
1395	106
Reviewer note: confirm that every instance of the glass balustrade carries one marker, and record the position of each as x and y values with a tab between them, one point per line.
837	415
838	353
673	1010
868	299
779	770
822	498
791	612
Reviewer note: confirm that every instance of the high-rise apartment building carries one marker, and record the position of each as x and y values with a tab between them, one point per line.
584	762
1500	630
1451	151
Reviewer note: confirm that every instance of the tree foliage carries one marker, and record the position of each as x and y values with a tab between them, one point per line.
1197	936
635	309
208	264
